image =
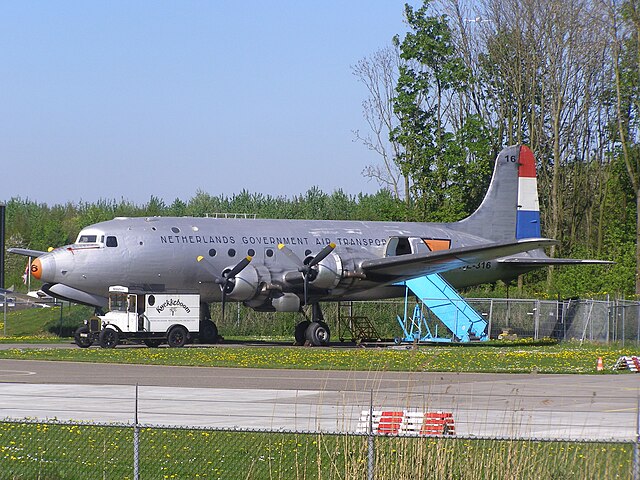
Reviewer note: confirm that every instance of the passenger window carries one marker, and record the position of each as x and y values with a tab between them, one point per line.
112	242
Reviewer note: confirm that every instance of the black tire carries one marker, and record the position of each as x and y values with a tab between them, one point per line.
208	332
300	332
177	337
152	342
318	334
82	337
109	338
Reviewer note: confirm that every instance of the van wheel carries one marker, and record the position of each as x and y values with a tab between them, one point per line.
82	337
108	338
177	336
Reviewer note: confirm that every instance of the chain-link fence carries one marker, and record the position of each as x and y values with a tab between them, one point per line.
66	450
603	321
584	320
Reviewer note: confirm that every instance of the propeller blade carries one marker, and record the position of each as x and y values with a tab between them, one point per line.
202	261
322	254
306	288
290	254
241	265
224	297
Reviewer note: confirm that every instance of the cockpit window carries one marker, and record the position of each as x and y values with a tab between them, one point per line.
87	239
112	241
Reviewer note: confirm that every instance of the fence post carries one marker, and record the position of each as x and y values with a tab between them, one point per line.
536	319
490	318
136	441
624	312
371	451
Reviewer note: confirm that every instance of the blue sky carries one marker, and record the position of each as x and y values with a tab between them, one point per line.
128	99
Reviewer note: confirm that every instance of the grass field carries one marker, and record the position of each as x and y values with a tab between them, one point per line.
53	451
522	356
42	324
516	358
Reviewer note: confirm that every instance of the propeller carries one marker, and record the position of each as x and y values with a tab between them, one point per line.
307	268
224	279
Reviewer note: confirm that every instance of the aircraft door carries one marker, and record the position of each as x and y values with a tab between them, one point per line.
405	246
398	246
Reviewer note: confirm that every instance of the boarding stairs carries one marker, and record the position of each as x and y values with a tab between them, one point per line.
439	298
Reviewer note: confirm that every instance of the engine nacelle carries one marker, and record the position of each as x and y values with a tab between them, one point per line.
328	272
245	285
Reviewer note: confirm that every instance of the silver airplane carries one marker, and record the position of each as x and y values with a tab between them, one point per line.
282	265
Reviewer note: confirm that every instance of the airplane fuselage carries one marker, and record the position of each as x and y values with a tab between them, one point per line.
159	254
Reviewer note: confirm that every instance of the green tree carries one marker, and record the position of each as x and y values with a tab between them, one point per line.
445	154
624	28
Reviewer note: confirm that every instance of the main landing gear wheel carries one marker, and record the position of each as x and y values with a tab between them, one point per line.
208	332
301	331
177	336
318	334
82	337
109	338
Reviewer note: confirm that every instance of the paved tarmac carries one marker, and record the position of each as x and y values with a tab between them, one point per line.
510	405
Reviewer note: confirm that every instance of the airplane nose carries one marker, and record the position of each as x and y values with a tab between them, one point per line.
36	268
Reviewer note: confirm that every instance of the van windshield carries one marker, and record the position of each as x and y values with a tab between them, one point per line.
118	302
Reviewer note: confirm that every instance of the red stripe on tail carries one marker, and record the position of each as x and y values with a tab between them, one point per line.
527	163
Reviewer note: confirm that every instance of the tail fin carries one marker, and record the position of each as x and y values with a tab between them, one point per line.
510	208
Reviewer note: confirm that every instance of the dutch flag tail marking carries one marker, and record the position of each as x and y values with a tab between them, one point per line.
528	214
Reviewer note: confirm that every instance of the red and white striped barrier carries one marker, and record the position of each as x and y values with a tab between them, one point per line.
387	422
628	363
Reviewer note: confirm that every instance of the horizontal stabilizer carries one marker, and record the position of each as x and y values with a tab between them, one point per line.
404	267
541	262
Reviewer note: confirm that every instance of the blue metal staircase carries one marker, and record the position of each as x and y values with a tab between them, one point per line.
447	305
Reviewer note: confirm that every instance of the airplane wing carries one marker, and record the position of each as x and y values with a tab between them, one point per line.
25	252
404	267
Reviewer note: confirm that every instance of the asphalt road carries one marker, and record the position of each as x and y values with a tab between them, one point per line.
521	405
